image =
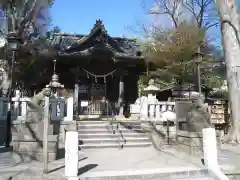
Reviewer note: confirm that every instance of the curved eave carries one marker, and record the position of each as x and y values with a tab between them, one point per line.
117	56
129	59
85	39
85	53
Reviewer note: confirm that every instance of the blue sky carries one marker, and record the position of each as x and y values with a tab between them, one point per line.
80	15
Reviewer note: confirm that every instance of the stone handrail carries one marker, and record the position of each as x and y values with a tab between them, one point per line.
61	109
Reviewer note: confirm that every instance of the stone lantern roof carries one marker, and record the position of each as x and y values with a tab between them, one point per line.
151	87
54	83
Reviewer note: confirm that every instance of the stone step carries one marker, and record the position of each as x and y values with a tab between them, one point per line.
99	126
155	174
113	140
93	122
95	131
109	128
108	122
107	135
114	145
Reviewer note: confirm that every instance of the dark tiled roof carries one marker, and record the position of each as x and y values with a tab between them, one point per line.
74	42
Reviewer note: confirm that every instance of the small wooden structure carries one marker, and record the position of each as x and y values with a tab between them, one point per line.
220	112
177	91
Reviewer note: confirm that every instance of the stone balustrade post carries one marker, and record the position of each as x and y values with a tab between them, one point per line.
71	152
70	108
210	147
24	109
211	154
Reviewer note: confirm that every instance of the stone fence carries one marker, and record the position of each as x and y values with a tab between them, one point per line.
152	111
61	109
155	110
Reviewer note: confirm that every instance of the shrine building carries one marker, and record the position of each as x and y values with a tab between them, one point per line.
99	68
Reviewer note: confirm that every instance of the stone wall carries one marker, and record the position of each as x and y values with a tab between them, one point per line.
188	142
27	139
59	127
192	142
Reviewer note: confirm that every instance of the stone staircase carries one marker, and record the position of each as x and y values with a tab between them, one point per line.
111	134
153	174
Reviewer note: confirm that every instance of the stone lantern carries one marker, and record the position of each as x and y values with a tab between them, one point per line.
151	92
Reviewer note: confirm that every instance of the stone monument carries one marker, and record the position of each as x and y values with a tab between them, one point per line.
198	118
147	125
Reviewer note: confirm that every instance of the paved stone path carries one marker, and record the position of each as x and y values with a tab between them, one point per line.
97	160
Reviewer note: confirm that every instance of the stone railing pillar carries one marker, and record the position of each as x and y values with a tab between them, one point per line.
71	152
70	108
24	109
211	154
210	147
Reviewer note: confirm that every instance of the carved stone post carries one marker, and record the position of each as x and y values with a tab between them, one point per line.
121	95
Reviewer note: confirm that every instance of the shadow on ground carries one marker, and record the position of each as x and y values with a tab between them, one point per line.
86	168
63	166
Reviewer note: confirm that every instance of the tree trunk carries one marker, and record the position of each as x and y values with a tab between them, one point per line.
230	40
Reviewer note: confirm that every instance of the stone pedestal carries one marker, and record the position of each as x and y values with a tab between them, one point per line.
192	142
27	141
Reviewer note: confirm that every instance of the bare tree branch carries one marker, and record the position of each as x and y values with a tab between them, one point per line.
202	12
167	7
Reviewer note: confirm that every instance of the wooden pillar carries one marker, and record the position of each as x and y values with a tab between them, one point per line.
76	90
121	95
